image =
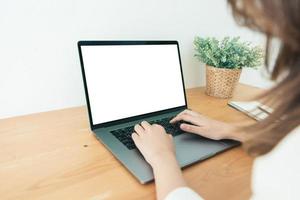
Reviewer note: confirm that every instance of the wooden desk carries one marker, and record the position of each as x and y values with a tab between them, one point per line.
53	155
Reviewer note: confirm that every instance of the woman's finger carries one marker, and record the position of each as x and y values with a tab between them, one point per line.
190	112
139	129
135	137
185	117
159	127
145	125
191	128
175	119
181	113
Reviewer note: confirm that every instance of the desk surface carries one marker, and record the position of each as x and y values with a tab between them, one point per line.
53	155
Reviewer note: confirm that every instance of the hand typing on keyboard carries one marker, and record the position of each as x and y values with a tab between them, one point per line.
158	149
153	142
196	123
186	121
124	134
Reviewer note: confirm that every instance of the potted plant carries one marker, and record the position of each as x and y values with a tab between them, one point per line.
224	62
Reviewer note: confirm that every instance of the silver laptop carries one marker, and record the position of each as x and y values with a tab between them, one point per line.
127	82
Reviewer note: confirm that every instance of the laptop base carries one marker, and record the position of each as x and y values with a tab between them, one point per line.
190	148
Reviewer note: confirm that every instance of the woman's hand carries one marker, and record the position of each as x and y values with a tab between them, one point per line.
154	143
207	127
158	149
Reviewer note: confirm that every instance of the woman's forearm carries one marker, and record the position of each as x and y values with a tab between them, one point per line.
168	176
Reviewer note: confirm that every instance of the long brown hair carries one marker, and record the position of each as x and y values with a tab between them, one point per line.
276	19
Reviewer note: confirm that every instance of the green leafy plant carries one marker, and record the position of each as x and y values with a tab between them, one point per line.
228	53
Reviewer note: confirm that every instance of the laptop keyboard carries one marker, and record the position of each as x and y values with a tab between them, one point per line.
124	134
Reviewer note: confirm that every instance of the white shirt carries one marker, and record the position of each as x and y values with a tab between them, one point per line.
276	175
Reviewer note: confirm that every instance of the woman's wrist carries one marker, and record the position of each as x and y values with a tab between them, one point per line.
167	174
235	133
162	159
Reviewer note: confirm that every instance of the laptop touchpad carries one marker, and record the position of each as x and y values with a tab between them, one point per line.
191	148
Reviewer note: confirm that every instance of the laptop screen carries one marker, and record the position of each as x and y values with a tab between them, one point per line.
130	80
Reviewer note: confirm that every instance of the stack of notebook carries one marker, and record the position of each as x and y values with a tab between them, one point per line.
253	109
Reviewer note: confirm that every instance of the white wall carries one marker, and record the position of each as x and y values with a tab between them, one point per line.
39	66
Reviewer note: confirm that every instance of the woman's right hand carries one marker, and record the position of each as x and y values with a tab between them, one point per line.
207	127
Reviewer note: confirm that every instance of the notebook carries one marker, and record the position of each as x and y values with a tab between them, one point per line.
253	109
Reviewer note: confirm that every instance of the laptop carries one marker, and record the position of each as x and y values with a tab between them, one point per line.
127	82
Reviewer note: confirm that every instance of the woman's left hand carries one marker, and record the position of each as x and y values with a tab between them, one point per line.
153	142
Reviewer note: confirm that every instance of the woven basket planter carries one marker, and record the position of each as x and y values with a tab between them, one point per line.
220	82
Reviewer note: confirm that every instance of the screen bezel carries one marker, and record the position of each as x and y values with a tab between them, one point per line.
137	117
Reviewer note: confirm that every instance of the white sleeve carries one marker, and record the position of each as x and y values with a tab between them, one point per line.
276	175
181	193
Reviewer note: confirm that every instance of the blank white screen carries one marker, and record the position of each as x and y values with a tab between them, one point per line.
129	80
